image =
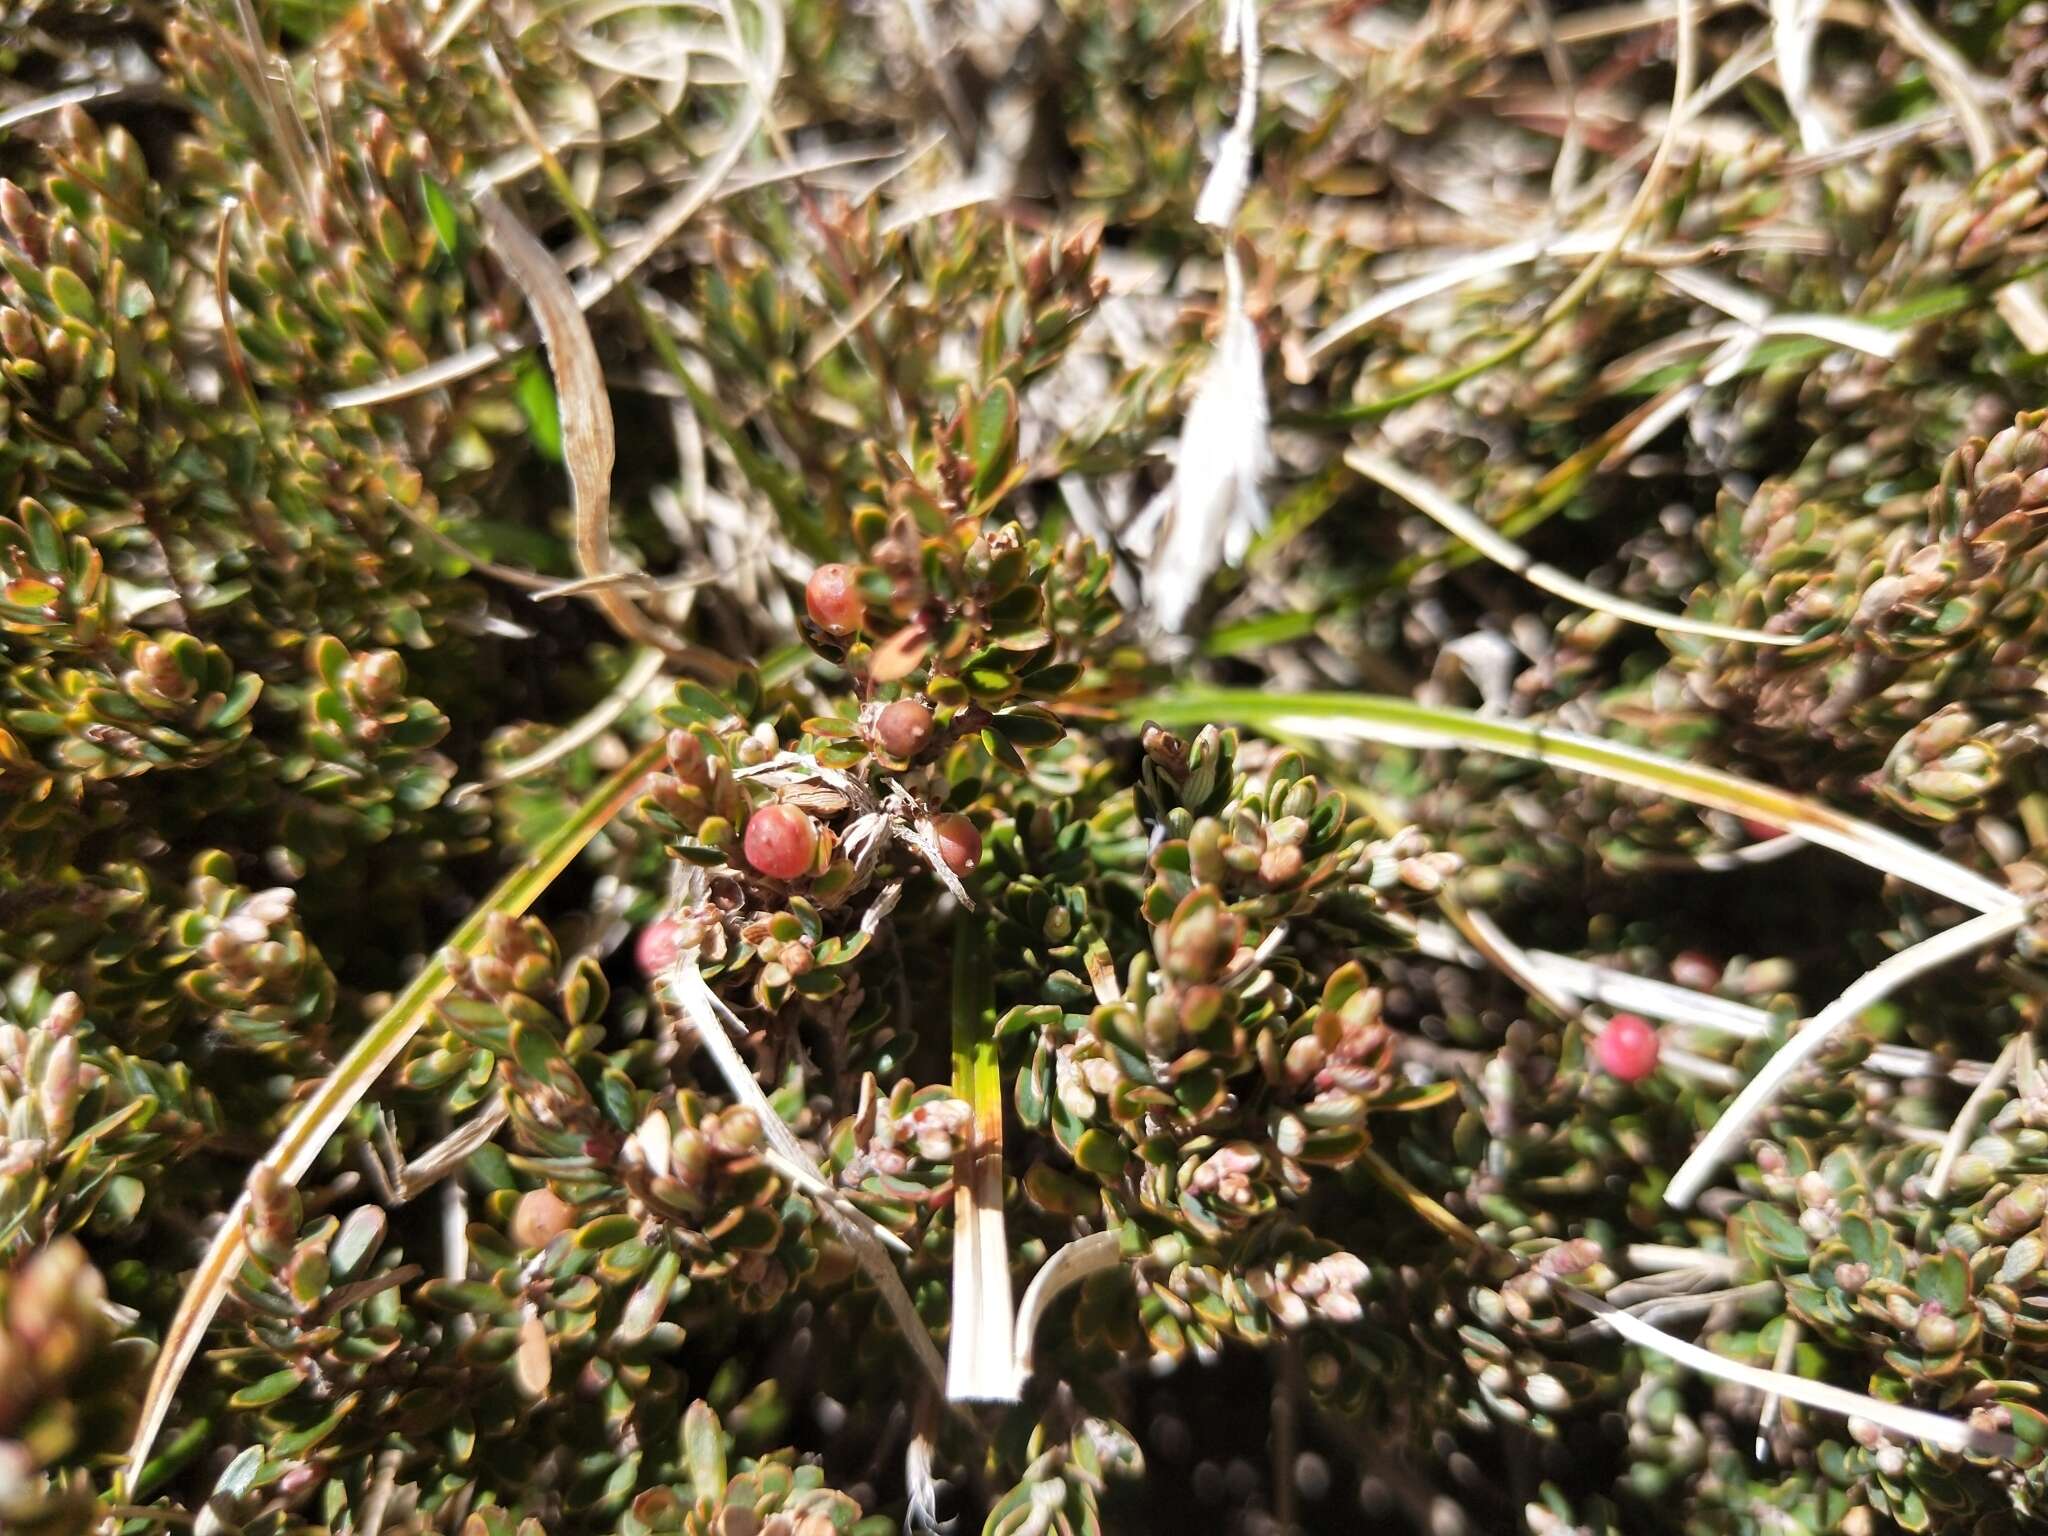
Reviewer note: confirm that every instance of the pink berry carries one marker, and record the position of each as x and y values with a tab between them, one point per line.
656	948
959	843
1627	1048
781	841
1696	969
833	600
1760	831
903	728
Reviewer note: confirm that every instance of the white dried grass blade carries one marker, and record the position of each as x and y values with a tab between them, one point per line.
980	1367
1838	330
1069	1266
1751	309
815	1186
1216	502
1521	967
1670	1003
2019	304
1446	275
56	101
1794	26
1749	855
1506	553
593	723
666	61
1907	1423
702	1010
1879	982
1967	1117
1230	177
460	16
1732	299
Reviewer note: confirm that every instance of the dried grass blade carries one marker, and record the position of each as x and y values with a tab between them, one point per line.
1453	273
1910	1423
70	96
1069	1266
1967	1117
1879	982
980	1363
622	263
322	1113
1913	1423
1509	555
589	445
1673	1004
585	729
1522	968
706	1015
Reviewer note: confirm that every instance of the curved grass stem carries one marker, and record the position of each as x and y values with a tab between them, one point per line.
322	1112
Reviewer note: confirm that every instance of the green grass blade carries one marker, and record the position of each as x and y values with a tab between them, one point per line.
322	1113
1398	722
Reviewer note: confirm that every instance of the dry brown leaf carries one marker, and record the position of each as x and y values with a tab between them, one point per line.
589	446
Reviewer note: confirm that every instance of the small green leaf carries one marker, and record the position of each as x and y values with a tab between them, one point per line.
266	1391
535	392
704	1451
992	436
68	292
441	214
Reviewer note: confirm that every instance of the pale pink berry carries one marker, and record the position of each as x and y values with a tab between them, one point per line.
1696	969
833	600
655	950
781	841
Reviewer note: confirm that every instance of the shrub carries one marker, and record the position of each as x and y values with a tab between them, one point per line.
662	876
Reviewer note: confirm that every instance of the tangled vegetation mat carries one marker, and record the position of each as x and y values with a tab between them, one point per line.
772	767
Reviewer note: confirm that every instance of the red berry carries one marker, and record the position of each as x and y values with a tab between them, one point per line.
833	600
1760	831
1627	1048
1696	969
903	728
959	843
781	841
656	948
